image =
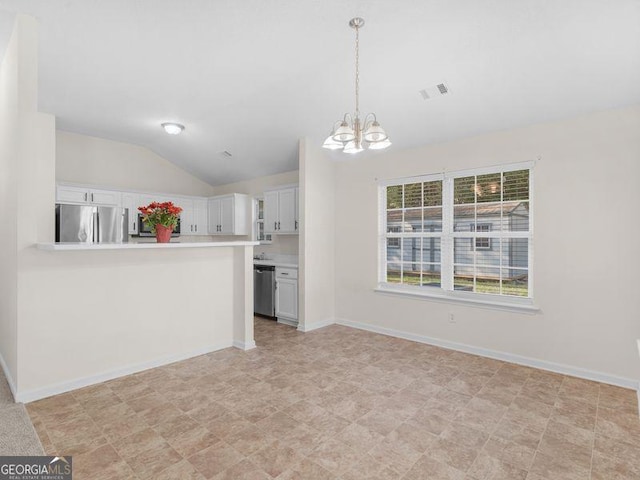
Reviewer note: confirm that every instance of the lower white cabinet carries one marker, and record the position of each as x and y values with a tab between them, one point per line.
287	295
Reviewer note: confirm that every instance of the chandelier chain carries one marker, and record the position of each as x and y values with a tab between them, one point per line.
357	72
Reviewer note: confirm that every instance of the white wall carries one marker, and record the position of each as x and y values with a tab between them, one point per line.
587	259
9	151
316	279
282	244
88	316
27	163
96	161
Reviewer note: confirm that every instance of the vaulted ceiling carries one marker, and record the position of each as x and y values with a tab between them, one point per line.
252	76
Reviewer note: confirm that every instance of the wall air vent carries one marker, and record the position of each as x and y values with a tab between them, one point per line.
442	88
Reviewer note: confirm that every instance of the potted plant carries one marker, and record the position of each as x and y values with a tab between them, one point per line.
162	218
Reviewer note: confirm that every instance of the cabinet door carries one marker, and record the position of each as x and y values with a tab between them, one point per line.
287	211
200	216
187	223
227	215
131	202
214	216
287	298
105	197
66	194
271	212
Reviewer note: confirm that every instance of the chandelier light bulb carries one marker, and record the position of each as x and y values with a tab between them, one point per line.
375	133
380	145
344	133
332	144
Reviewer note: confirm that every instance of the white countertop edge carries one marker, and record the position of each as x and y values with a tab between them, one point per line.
273	263
135	246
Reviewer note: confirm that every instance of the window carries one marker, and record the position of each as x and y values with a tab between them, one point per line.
482	243
458	234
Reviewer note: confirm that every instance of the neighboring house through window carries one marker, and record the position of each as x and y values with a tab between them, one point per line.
458	233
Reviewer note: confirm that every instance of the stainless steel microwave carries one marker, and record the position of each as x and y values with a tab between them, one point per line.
145	231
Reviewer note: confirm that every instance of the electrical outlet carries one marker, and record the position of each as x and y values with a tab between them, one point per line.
452	319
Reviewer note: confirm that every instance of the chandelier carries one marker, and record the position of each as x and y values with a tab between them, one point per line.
351	134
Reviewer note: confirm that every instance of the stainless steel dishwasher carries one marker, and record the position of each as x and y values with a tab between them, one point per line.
264	291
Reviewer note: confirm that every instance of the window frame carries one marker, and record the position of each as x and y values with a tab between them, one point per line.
446	291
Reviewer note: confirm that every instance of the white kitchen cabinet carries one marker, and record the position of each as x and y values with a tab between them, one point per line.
131	202
200	216
271	211
88	196
228	215
280	211
287	295
193	219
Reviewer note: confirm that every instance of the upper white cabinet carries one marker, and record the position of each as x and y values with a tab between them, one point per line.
193	219
281	211
70	194
228	215
131	201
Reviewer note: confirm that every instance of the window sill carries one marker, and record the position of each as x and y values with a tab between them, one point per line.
520	305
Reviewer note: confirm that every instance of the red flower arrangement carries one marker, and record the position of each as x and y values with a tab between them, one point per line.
165	214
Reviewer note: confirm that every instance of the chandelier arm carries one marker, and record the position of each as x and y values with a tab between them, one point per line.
366	123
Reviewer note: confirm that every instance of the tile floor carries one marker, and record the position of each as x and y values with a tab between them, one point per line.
340	403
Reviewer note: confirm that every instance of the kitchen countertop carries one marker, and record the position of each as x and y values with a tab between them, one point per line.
137	246
274	263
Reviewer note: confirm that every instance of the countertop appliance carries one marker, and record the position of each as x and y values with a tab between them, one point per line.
264	290
144	230
91	224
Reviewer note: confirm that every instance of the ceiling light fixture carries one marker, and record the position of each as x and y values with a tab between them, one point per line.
350	134
172	128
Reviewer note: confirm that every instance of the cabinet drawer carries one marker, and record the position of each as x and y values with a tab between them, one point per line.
283	272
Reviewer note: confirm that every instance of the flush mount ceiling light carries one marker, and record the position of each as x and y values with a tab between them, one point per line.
172	128
350	134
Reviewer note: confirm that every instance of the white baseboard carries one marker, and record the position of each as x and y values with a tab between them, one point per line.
244	345
50	390
288	321
507	357
307	327
7	375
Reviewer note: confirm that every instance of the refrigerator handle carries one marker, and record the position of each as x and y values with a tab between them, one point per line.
96	226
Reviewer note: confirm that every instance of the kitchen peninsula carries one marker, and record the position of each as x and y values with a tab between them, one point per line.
123	308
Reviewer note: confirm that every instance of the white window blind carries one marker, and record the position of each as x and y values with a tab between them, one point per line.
463	233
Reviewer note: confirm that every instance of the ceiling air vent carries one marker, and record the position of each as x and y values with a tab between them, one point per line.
225	154
434	91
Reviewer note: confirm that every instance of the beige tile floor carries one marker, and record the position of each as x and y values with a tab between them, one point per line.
340	403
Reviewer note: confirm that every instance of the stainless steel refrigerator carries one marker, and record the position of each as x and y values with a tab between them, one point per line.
91	224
